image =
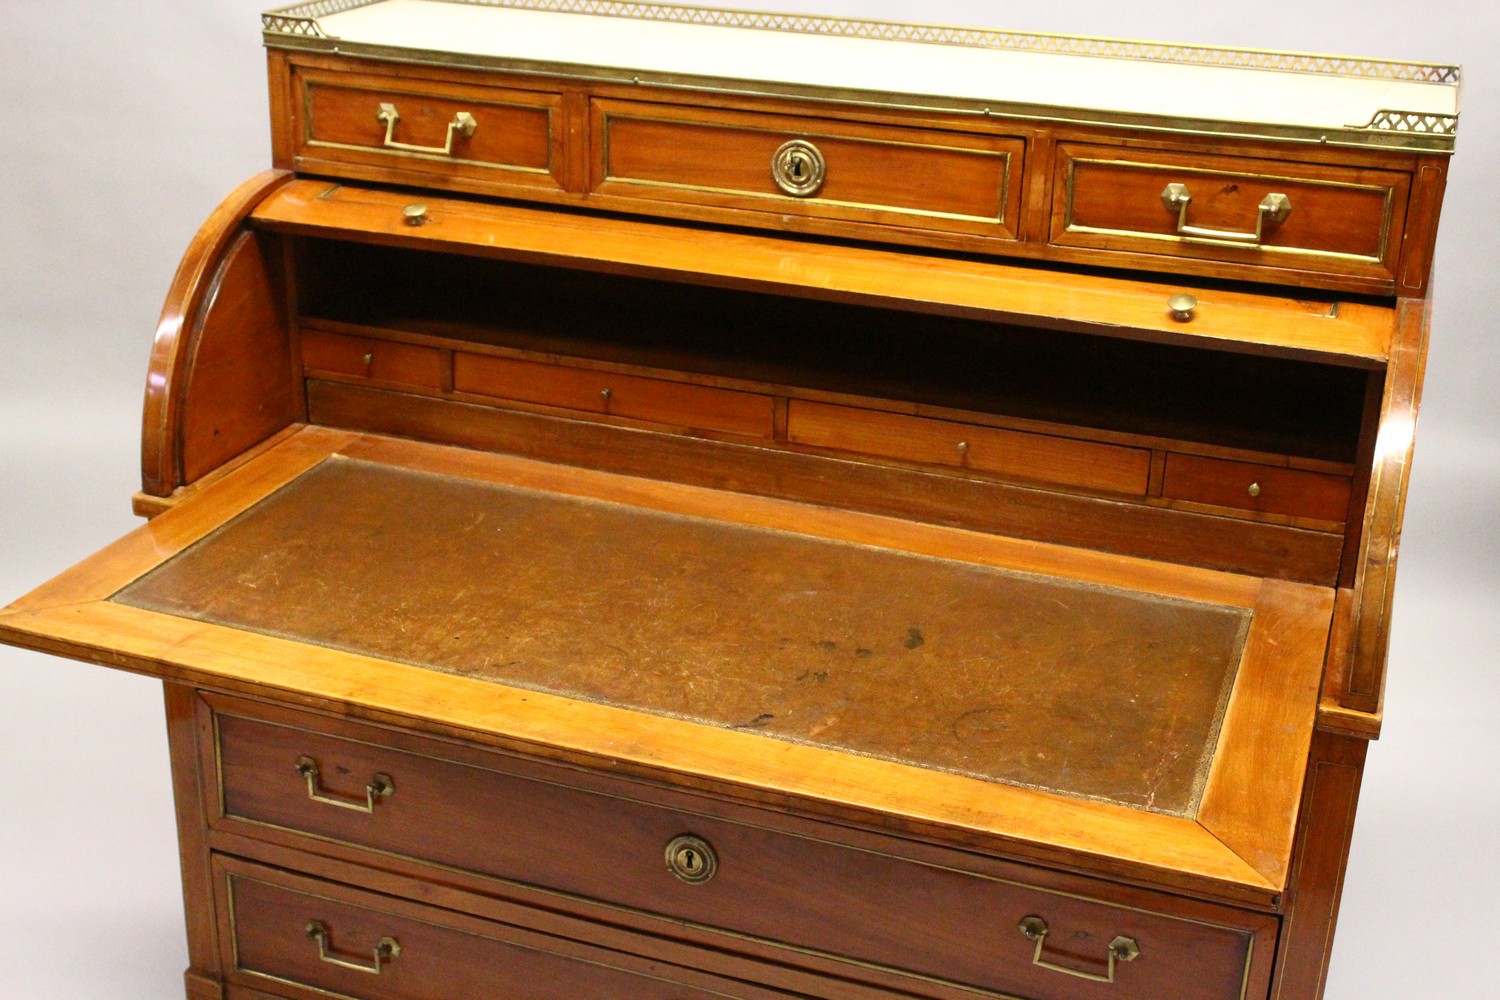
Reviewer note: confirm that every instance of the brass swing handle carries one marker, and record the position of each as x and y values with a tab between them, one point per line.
380	787
463	124
1273	208
386	950
1121	949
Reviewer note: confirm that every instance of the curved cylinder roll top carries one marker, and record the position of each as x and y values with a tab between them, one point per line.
218	381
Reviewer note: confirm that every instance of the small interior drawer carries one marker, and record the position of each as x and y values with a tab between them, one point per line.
1340	220
326	937
1017	454
681	404
836	170
1266	488
478	136
366	357
956	930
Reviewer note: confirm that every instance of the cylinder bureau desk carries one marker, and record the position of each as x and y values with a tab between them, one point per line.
658	503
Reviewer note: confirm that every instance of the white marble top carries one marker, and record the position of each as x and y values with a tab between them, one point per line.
1168	85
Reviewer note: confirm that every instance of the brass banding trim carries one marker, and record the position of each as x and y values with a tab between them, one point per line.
777	201
1247	935
1385	224
1350	136
231	877
436	155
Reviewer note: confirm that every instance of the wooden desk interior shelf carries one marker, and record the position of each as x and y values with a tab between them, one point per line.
637	508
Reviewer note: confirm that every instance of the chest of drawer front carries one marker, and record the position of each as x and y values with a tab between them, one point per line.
385	361
1264	488
324	938
938	924
1262	213
586	390
1014	454
851	172
408	131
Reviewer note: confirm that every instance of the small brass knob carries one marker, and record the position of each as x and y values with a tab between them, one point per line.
414	215
1254	490
1182	307
692	859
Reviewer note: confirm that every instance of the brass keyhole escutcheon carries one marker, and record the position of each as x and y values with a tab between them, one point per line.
692	859
799	169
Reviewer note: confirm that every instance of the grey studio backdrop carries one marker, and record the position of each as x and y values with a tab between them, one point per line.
121	127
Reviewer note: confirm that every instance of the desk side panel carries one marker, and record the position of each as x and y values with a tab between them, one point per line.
220	376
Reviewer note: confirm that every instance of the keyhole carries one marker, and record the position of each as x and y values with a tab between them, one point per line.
691	859
799	168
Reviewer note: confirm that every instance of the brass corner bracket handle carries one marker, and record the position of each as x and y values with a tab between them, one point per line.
1121	949
380	787
1273	208
463	124
385	950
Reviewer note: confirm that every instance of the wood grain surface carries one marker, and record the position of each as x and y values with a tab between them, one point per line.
1356	334
934	663
72	616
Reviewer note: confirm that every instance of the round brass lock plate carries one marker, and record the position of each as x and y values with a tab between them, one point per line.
799	168
692	859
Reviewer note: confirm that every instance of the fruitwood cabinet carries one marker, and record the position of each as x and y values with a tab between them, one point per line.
652	502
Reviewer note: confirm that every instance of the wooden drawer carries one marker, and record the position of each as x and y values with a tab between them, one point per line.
598	838
1338	220
326	938
1015	454
376	360
1266	488
694	407
957	182
509	139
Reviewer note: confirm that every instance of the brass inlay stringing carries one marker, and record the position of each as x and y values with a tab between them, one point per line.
1074	162
218	767
380	787
1002	154
463	124
1273	208
1121	949
297	27
385	950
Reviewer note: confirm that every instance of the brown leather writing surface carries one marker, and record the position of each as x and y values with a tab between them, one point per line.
1031	680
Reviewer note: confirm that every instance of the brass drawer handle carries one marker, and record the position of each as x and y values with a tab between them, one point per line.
1273	208
799	168
1121	949
692	859
384	952
463	124
380	787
